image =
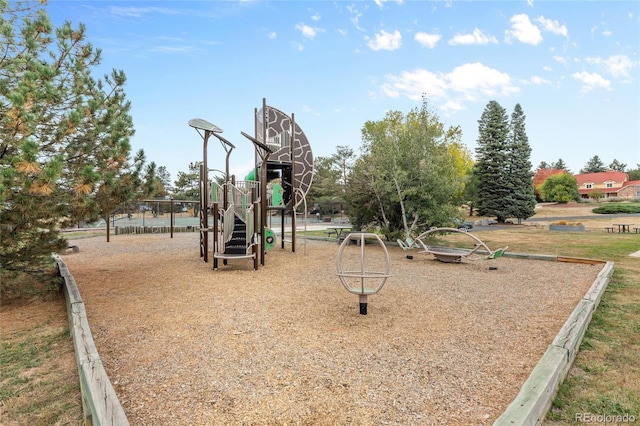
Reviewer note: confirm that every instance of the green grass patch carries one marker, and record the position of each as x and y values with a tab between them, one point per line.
604	377
38	379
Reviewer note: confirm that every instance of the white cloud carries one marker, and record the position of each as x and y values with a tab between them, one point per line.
306	30
616	65
591	81
381	3
272	35
523	30
174	49
537	80
552	26
308	109
355	16
427	40
466	83
560	59
386	41
137	12
316	17
477	37
607	33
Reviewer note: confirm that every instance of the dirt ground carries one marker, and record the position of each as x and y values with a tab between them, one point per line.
441	344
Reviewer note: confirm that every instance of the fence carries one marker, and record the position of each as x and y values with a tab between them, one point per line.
133	229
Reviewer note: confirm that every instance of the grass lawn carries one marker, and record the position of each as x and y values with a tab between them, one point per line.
39	383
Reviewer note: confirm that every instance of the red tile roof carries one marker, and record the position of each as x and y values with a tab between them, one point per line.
630	183
602	177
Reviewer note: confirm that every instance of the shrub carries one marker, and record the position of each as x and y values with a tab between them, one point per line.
620	208
564	222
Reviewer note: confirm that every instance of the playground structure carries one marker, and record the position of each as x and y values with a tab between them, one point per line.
451	254
279	182
355	277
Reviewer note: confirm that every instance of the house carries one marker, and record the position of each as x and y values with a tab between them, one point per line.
630	189
611	184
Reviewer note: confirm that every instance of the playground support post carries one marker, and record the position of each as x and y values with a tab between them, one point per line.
293	185
216	218
171	217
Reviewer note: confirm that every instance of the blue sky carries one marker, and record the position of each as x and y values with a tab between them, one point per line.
573	66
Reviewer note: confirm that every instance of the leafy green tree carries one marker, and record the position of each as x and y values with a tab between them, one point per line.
540	176
596	194
64	135
560	165
634	174
520	175
617	166
407	177
326	185
471	190
594	165
560	188
495	187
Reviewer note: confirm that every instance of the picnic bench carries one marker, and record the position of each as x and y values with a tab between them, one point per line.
609	229
355	238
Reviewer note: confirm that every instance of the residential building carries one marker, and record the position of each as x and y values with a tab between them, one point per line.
611	184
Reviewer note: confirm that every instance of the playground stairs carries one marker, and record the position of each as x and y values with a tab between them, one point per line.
238	242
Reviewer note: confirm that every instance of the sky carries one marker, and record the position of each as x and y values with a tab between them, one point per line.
573	66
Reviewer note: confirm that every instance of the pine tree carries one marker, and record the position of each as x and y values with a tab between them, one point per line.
617	166
495	187
543	165
64	136
594	165
560	165
520	174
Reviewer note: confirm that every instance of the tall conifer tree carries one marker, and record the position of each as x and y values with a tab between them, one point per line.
64	136
520	176
495	188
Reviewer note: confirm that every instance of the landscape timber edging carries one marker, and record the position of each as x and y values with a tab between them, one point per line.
100	404
528	408
532	403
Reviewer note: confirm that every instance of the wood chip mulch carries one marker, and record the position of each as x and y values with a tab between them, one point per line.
441	344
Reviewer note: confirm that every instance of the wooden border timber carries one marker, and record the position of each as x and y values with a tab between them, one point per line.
100	404
532	403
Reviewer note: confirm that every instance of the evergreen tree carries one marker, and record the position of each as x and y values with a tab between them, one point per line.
560	165
594	165
634	174
326	185
64	136
495	187
543	165
520	174
187	184
617	166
